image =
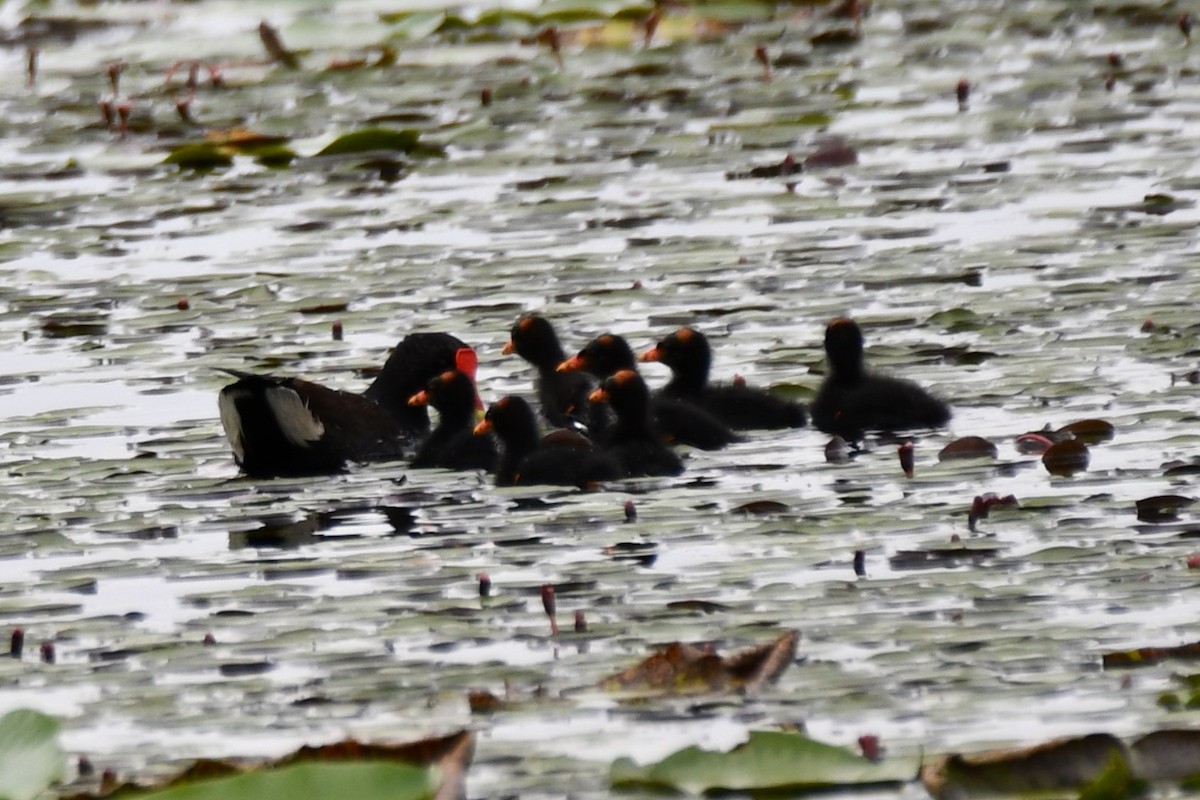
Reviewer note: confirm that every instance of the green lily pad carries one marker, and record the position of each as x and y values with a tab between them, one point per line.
370	140
770	760
364	780
567	11
201	156
418	24
30	758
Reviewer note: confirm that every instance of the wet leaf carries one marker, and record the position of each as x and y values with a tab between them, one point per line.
1035	443
1162	507
1115	782
757	507
968	447
1089	431
1066	458
416	24
243	139
363	780
946	557
1056	765
430	768
831	153
703	606
406	140
1168	755
30	757
63	327
201	156
686	669
769	761
1148	656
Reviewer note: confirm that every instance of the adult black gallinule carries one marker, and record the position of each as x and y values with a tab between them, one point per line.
289	426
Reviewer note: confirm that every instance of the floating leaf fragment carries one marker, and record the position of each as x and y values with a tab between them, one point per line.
837	450
760	507
1055	765
30	757
243	139
832	152
1148	656
784	168
946	557
1161	507
483	702
1035	443
1161	204
415	25
768	761
368	140
703	606
201	156
63	327
429	768
982	505
1089	431
1066	458
968	447
1168	755
837	37
686	668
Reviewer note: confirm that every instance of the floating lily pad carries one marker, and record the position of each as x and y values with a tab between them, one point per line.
1090	431
968	447
1066	458
371	140
1061	764
201	156
30	756
685	668
769	761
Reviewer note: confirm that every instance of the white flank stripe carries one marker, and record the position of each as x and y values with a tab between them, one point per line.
231	421
298	424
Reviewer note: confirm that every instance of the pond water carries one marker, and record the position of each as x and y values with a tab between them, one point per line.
1007	254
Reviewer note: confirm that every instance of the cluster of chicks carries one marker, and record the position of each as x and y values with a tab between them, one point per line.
606	422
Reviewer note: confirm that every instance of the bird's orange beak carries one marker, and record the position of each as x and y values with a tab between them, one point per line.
421	398
651	355
598	396
483	428
509	348
571	364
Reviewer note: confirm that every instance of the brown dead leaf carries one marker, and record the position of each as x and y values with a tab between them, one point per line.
1169	755
1089	431
1147	656
1058	764
689	669
1161	507
759	507
968	447
1066	458
242	138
